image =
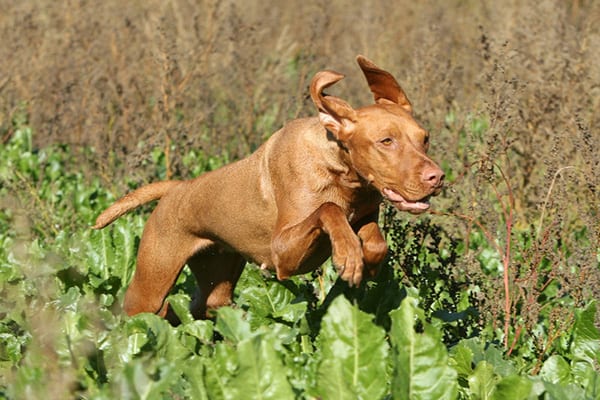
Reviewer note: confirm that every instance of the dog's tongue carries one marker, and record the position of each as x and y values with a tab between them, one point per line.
404	205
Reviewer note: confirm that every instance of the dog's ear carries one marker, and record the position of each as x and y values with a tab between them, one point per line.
383	85
335	114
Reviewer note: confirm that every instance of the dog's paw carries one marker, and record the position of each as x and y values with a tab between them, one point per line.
348	259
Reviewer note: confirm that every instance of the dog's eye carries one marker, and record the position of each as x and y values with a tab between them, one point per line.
426	140
386	141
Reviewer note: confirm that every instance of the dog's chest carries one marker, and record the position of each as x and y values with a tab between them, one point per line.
358	202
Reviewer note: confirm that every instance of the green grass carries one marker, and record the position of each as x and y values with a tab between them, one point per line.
418	331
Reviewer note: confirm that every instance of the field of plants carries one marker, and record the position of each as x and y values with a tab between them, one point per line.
492	295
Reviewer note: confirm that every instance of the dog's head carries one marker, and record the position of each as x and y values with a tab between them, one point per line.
384	143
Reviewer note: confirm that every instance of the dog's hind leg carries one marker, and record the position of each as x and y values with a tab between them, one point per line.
162	254
217	273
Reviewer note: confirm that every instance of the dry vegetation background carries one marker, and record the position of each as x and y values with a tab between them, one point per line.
127	77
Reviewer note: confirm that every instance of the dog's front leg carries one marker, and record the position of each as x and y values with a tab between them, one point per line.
374	246
292	245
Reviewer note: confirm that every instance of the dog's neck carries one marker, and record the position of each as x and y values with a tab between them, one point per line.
343	168
331	137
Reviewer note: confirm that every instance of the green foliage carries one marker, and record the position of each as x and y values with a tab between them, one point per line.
413	332
352	362
420	360
423	255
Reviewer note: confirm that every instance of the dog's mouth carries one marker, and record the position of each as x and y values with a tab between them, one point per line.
414	207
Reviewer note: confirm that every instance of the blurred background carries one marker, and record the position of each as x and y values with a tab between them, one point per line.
221	76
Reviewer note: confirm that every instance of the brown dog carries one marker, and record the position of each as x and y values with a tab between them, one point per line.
311	191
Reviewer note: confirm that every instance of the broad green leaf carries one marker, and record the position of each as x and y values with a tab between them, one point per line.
513	387
261	374
421	366
556	391
124	236
137	383
283	333
112	251
587	377
461	358
232	324
353	354
218	372
194	371
196	336
201	330
585	349
495	357
68	301
167	381
180	303
103	253
153	333
556	370
333	384
483	381
490	353
269	299
586	337
10	347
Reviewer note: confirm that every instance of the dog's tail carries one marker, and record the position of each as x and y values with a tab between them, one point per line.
143	195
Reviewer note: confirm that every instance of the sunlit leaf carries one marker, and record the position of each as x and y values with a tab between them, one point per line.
421	365
269	298
232	324
556	370
513	387
261	374
586	337
353	354
462	360
483	381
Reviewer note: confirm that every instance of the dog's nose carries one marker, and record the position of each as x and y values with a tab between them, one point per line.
433	176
